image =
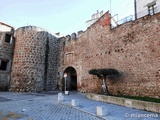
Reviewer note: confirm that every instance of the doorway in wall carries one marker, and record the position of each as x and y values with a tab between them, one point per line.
71	79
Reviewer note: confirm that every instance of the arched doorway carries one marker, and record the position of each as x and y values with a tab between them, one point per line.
71	79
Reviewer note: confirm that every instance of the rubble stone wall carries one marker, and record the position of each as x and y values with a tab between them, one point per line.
34	62
6	54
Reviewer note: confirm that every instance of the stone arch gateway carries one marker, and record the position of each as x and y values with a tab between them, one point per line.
71	79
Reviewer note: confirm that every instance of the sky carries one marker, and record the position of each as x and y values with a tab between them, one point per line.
64	16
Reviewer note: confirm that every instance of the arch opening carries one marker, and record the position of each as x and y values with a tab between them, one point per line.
71	79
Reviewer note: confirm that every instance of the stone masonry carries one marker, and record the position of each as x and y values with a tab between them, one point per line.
35	60
132	48
6	54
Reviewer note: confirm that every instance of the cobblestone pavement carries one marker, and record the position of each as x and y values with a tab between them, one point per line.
35	106
44	106
114	112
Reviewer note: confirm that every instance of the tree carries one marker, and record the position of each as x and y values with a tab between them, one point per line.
103	74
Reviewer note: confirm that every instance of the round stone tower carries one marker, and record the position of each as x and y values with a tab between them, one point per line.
30	62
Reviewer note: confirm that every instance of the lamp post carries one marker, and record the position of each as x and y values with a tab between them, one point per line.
65	76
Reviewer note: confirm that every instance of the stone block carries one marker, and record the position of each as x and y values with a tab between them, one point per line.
66	92
101	111
60	98
75	102
128	103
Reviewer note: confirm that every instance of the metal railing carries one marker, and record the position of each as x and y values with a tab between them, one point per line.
126	19
132	17
122	21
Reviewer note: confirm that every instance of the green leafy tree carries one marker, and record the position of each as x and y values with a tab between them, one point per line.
103	74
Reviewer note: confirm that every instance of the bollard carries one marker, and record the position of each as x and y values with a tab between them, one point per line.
66	92
75	102
60	97
59	94
101	111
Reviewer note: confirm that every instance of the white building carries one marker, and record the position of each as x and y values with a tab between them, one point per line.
145	7
95	17
5	28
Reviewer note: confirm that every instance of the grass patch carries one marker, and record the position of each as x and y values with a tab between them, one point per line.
148	99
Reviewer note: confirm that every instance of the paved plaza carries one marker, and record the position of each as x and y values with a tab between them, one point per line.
45	106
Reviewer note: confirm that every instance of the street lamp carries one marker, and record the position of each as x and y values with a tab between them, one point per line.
65	76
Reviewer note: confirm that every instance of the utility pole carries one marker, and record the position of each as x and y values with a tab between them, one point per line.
110	7
135	9
110	15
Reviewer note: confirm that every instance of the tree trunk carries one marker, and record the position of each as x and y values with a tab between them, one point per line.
105	87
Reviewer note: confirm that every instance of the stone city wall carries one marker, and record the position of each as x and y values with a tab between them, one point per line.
132	48
34	62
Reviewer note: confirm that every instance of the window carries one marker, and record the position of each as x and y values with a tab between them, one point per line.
3	65
8	38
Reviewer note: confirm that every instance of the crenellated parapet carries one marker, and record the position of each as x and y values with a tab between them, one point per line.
69	39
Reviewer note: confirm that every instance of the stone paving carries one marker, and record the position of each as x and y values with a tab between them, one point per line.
37	106
45	106
114	112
